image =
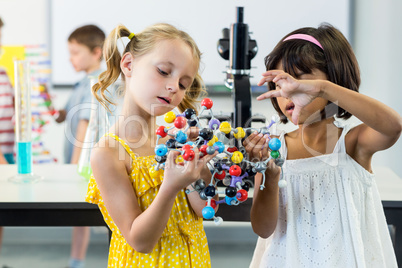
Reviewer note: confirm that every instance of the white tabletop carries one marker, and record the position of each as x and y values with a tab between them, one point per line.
61	183
388	182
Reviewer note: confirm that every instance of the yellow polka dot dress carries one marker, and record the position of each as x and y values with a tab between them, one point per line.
183	242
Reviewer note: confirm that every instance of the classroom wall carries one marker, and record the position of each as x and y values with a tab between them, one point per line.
204	25
377	44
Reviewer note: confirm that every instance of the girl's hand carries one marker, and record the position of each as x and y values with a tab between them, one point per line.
193	133
301	92
179	176
256	146
272	173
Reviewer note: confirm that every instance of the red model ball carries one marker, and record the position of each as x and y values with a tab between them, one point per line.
180	122
188	155
161	131
220	176
235	170
242	195
213	203
207	102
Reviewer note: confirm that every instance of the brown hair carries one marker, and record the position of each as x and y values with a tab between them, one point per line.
1	23
337	60
141	44
89	35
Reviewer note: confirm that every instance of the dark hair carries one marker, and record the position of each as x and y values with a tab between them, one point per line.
89	35
337	60
1	23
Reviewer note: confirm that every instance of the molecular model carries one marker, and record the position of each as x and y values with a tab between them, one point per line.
230	165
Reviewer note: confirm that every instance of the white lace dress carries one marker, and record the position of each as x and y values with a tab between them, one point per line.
330	215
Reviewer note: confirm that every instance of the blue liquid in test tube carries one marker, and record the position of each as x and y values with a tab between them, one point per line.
24	157
23	123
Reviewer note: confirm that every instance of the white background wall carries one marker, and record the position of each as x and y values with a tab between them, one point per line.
377	43
203	20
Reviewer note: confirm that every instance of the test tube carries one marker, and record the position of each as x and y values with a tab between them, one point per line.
98	125
23	122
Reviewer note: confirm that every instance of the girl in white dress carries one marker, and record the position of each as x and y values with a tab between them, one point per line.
329	213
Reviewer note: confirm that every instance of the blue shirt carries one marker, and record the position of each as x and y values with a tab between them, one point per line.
77	108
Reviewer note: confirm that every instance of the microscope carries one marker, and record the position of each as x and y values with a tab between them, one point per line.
237	47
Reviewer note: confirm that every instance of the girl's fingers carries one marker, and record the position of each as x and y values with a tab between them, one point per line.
193	133
254	146
250	137
280	76
203	161
171	159
272	73
265	80
264	151
270	94
268	77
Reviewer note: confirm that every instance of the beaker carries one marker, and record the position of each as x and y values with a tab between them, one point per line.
98	126
23	122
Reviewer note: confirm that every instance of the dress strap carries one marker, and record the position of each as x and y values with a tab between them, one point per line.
283	150
340	146
123	143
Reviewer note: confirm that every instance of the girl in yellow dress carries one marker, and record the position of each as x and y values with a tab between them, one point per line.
154	222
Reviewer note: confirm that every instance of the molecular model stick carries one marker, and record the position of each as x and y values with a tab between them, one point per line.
227	165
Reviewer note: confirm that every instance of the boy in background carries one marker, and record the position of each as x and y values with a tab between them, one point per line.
85	47
6	124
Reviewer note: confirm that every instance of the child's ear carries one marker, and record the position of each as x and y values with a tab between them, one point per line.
97	51
126	64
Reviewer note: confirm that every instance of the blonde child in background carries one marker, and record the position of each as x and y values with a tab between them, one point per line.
329	213
6	123
154	223
85	47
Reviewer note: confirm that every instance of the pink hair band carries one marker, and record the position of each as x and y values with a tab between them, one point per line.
304	37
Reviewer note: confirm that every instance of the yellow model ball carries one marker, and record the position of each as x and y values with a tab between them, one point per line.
154	173
237	157
179	159
240	133
225	127
170	117
213	140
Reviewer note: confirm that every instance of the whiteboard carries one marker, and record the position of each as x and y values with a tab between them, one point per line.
25	22
204	20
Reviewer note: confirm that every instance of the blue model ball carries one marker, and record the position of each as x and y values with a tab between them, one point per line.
181	137
274	144
219	146
161	150
208	212
231	200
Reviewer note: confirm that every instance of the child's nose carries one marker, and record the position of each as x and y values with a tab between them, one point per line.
172	86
